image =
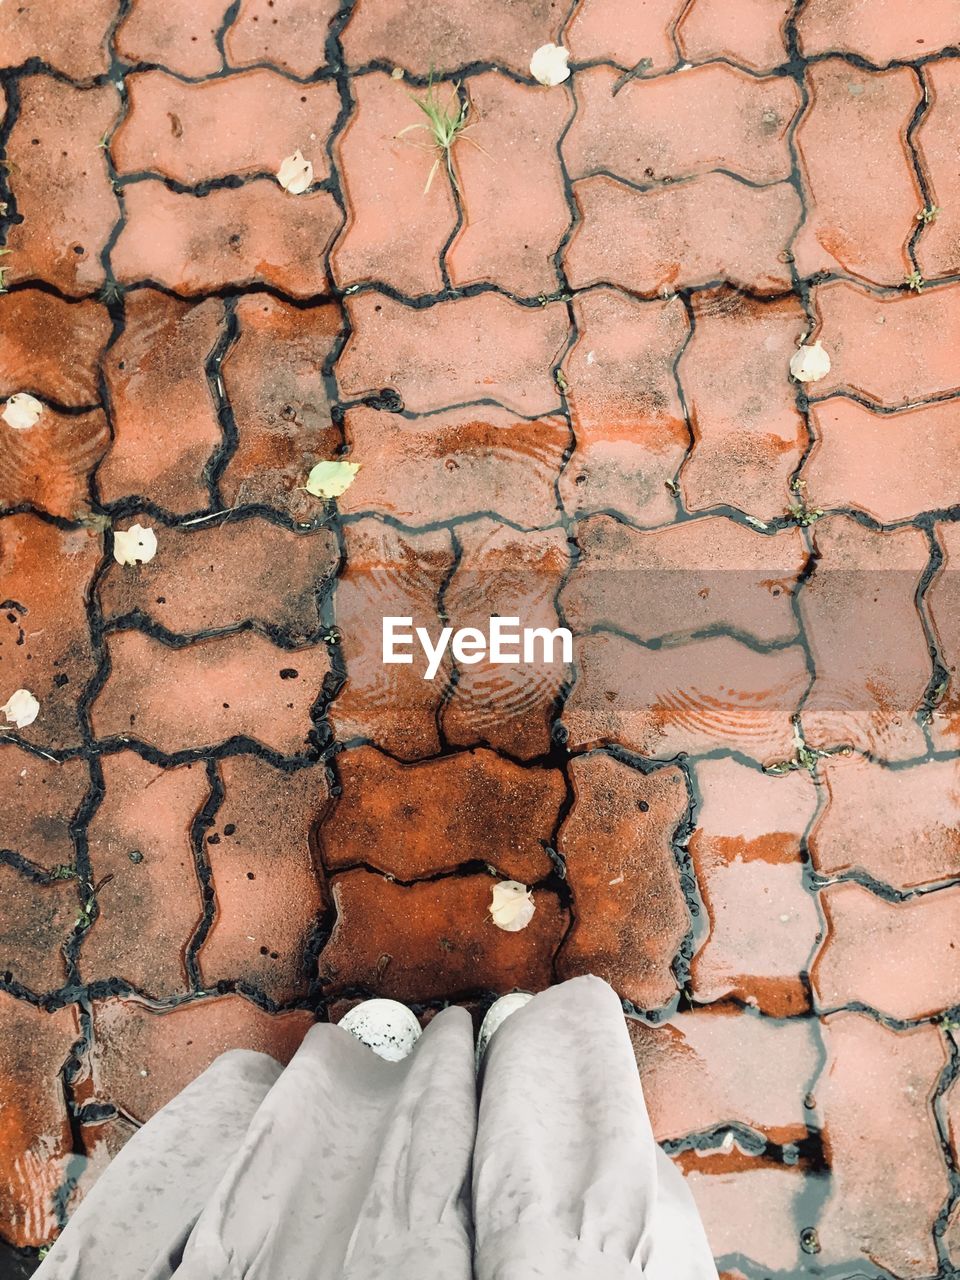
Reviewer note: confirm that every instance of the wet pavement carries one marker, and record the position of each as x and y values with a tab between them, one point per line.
565	374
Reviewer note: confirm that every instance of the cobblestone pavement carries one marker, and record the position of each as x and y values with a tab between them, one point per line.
565	375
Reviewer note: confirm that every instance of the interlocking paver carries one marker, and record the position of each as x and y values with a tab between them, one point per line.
267	890
389	574
40	802
763	924
939	250
866	639
685	579
155	375
750	32
273	376
35	29
656	131
892	350
893	466
291	34
751	1211
254	234
895	957
625	33
61	184
35	922
852	143
709	694
207	577
712	1067
416	820
503	573
184	699
748	434
888	1181
631	436
484	348
45	643
50	466
149	902
140	1058
171	126
383	171
709	229
515	205
900	826
177	34
445	35
51	347
450	464
899	30
943	603
36	1143
630	916
433	939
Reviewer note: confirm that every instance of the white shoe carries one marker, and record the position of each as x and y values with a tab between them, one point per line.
387	1027
498	1012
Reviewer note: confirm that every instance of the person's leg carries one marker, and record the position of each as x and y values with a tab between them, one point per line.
135	1220
354	1168
566	1179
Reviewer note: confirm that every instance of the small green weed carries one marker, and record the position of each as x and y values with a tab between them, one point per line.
446	122
928	214
800	512
914	281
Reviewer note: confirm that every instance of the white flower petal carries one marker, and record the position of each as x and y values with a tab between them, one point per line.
22	709
135	545
295	174
22	411
549	64
331	479
512	907
810	364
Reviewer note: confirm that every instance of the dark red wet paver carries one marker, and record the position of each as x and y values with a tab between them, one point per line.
489	809
388	937
566	383
616	934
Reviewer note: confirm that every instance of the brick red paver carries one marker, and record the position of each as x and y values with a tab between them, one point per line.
563	372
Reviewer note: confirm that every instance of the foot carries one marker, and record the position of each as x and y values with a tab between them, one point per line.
385	1026
499	1011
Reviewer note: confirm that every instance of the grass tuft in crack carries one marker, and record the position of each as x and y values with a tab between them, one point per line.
446	122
